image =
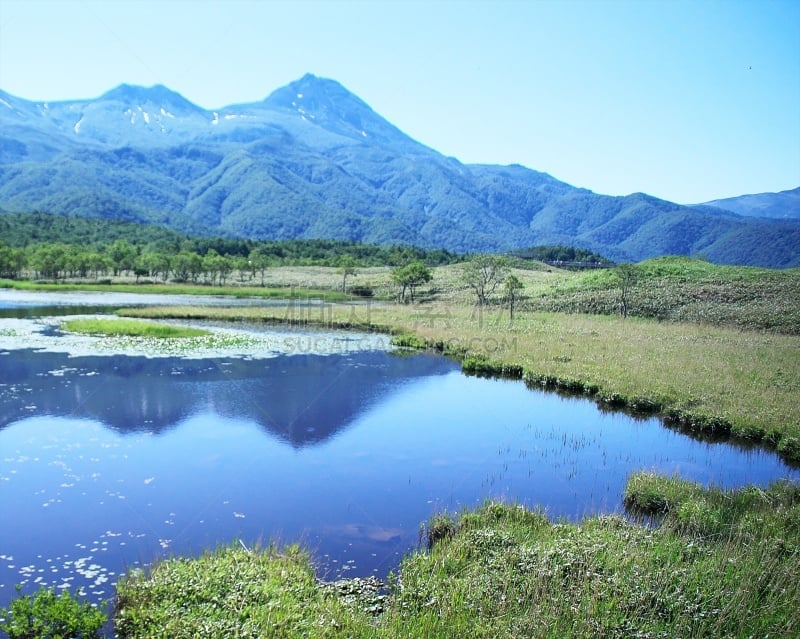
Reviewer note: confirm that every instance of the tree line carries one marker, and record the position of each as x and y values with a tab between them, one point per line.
51	247
195	261
562	255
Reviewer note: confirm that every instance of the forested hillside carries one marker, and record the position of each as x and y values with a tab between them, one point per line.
313	161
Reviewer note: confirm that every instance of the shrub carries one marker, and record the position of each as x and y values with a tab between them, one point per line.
46	615
789	449
408	340
361	291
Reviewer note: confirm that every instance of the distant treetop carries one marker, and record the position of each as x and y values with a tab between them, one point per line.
558	253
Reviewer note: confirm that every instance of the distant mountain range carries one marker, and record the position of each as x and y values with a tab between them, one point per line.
784	205
313	160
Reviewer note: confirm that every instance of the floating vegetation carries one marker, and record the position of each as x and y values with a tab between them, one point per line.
103	336
130	328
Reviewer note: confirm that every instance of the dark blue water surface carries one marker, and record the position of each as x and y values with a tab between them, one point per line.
111	462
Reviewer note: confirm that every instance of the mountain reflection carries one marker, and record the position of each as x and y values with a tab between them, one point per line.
300	399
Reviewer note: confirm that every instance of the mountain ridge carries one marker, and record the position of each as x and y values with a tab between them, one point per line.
780	205
313	160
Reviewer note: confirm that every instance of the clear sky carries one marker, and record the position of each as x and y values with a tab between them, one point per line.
685	100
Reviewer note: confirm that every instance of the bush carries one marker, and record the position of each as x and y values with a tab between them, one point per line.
46	615
408	340
789	449
361	291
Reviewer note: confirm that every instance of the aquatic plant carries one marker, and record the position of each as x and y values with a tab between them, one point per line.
130	328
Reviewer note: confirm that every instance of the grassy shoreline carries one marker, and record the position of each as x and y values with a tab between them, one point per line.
720	564
278	293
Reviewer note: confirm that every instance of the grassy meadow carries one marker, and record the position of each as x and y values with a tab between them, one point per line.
714	350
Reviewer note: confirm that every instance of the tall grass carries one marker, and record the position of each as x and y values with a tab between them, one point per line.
685	290
510	573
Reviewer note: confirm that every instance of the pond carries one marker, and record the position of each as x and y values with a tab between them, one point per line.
111	459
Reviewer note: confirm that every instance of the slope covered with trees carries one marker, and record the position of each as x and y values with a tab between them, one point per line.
314	161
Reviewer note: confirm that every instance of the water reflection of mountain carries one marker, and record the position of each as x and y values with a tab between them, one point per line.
301	399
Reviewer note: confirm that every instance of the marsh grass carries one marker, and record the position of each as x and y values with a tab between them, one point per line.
282	290
511	573
684	289
233	592
712	513
504	571
130	328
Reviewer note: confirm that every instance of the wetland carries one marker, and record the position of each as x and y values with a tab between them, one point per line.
116	452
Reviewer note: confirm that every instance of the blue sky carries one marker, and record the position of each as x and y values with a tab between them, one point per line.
688	101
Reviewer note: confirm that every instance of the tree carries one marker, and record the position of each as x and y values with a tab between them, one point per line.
98	263
216	266
411	276
511	287
260	258
483	273
122	256
628	276
186	265
12	261
49	260
155	263
244	267
347	267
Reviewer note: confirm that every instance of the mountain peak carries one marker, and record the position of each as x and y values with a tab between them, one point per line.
312	81
158	95
328	104
314	93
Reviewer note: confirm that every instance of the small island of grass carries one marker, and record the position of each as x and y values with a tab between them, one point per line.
130	328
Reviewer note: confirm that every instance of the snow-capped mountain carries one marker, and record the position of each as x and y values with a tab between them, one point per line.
314	160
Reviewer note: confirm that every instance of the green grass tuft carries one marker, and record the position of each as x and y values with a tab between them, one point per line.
233	592
130	328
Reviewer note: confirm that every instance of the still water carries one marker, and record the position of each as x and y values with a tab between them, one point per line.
111	462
